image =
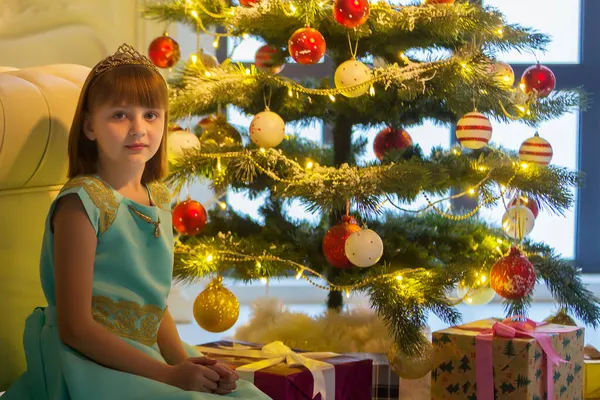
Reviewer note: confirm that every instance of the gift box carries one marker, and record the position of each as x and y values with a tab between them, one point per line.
385	383
287	374
389	386
511	359
591	373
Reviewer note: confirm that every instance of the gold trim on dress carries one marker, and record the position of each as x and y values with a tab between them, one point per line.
128	319
161	195
148	220
101	195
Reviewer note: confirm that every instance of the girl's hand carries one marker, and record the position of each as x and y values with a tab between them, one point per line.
227	376
194	376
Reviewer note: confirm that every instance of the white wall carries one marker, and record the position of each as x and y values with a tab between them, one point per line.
40	32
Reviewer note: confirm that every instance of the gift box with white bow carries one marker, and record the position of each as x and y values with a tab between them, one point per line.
286	374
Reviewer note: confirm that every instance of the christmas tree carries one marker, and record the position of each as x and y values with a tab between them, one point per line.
408	262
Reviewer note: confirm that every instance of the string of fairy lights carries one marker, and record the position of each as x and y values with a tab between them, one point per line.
384	74
215	256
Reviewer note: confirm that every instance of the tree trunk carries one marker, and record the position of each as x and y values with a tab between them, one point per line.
342	145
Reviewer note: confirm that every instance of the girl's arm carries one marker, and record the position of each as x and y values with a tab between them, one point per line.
169	341
74	252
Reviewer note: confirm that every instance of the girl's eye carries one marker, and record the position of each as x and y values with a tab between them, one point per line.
119	115
151	115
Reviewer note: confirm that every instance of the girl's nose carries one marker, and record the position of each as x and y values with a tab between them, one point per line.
137	126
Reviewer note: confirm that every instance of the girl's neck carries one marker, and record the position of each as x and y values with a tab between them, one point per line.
120	179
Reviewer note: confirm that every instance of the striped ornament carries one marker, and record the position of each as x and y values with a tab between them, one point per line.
474	130
536	150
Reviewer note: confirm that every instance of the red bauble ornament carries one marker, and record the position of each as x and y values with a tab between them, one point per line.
189	217
164	52
533	205
351	13
269	59
334	242
513	276
307	46
391	139
540	78
248	3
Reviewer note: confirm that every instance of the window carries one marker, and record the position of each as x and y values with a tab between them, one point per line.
244	50
557	231
241	201
560	20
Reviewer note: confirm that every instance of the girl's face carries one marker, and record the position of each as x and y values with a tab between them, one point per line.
127	136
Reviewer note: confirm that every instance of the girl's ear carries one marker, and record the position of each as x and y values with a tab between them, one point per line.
87	127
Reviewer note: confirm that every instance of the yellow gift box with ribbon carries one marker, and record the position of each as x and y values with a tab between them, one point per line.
283	373
591	373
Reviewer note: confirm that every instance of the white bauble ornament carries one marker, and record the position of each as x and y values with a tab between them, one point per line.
364	248
518	221
536	150
267	129
208	60
476	296
351	73
178	141
474	130
503	73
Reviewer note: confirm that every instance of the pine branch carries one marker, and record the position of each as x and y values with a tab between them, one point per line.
563	279
326	189
431	253
404	94
403	26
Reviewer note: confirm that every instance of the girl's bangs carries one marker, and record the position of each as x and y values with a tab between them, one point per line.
129	85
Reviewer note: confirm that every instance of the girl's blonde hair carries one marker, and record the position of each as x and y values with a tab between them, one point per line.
128	83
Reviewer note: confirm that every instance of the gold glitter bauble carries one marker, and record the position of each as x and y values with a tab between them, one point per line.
561	318
216	309
411	367
218	130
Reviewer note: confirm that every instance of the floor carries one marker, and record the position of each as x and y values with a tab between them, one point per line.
193	334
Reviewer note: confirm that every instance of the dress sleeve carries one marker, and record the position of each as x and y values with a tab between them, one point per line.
98	201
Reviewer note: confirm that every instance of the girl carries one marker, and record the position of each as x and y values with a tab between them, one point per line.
107	258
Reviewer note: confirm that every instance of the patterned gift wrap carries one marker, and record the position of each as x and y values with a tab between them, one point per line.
519	365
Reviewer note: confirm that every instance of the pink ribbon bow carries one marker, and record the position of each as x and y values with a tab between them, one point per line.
511	328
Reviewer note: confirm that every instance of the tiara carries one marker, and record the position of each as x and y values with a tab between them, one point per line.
124	55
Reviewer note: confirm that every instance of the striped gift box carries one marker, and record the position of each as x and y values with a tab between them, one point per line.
386	384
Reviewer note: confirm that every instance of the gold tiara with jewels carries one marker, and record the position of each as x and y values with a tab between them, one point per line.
125	55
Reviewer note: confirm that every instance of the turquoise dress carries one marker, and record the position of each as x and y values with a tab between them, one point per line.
132	279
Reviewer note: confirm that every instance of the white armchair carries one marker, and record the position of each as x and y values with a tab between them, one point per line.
36	111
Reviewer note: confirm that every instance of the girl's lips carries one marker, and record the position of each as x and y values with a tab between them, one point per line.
136	146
